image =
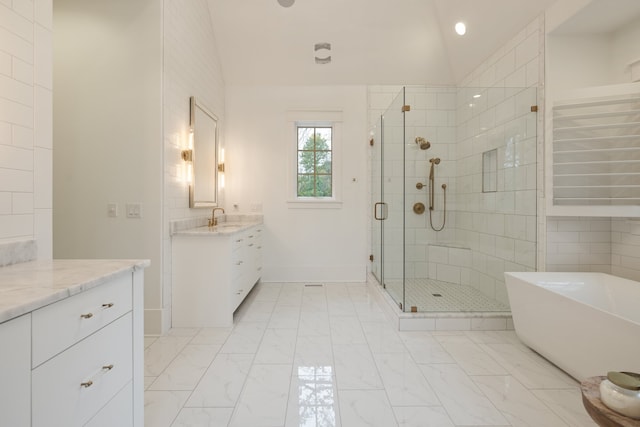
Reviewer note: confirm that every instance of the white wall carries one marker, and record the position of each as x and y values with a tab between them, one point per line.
625	248
300	244
25	123
625	50
577	61
191	67
108	132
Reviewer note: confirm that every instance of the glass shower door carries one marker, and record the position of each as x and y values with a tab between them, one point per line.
393	197
377	202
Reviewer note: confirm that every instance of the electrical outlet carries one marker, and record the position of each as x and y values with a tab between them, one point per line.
134	210
112	210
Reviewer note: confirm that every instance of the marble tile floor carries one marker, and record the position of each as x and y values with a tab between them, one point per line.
312	356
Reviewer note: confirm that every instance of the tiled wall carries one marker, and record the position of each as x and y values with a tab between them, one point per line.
26	122
579	244
432	117
625	247
608	245
191	68
486	233
501	227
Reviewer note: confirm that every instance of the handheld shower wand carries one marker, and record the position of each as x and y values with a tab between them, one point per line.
432	179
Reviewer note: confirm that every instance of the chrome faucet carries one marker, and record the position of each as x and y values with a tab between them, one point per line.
213	221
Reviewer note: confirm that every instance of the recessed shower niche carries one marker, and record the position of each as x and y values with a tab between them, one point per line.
490	171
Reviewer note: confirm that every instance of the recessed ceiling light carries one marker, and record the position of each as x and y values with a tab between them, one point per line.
461	28
286	3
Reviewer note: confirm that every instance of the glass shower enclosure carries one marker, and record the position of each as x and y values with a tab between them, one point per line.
454	191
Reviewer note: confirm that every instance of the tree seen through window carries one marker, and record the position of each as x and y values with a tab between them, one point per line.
314	162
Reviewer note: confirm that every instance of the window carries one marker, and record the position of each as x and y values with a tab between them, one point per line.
315	171
314	144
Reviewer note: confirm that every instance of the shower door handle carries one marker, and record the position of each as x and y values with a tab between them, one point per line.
383	211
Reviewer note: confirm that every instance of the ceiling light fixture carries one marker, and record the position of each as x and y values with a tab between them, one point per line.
286	3
461	28
322	59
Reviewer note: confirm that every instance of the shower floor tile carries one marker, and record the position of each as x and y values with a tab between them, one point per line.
430	295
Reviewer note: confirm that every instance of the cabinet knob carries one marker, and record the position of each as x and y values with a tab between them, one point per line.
107	367
251	244
107	305
87	316
86	384
239	262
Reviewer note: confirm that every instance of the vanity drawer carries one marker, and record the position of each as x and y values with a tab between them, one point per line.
118	412
58	396
60	325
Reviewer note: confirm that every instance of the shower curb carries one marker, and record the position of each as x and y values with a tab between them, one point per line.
441	321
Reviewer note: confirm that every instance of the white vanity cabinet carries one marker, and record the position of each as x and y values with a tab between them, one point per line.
212	274
76	360
15	370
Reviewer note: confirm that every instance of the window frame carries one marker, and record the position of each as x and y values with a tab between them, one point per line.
317	119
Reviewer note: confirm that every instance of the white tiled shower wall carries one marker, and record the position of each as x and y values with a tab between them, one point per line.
608	245
191	68
486	234
26	149
501	227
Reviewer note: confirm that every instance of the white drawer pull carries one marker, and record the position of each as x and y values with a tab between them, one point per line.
87	316
107	305
107	367
86	384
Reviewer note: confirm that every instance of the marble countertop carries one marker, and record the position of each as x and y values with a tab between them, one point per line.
227	227
27	286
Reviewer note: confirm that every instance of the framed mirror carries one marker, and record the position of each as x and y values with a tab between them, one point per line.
203	191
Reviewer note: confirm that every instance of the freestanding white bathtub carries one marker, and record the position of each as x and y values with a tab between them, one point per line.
585	323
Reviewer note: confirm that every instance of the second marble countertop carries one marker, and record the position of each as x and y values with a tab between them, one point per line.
227	225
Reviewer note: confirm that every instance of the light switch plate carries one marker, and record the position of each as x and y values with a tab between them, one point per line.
134	210
112	210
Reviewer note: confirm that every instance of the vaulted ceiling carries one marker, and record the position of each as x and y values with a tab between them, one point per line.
372	41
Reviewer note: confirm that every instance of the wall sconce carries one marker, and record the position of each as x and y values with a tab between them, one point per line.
187	156
221	168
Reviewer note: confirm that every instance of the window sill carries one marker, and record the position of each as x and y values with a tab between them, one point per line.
314	203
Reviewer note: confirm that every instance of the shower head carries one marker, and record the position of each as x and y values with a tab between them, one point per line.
422	143
435	160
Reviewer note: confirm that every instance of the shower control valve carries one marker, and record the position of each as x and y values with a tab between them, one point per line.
420	186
